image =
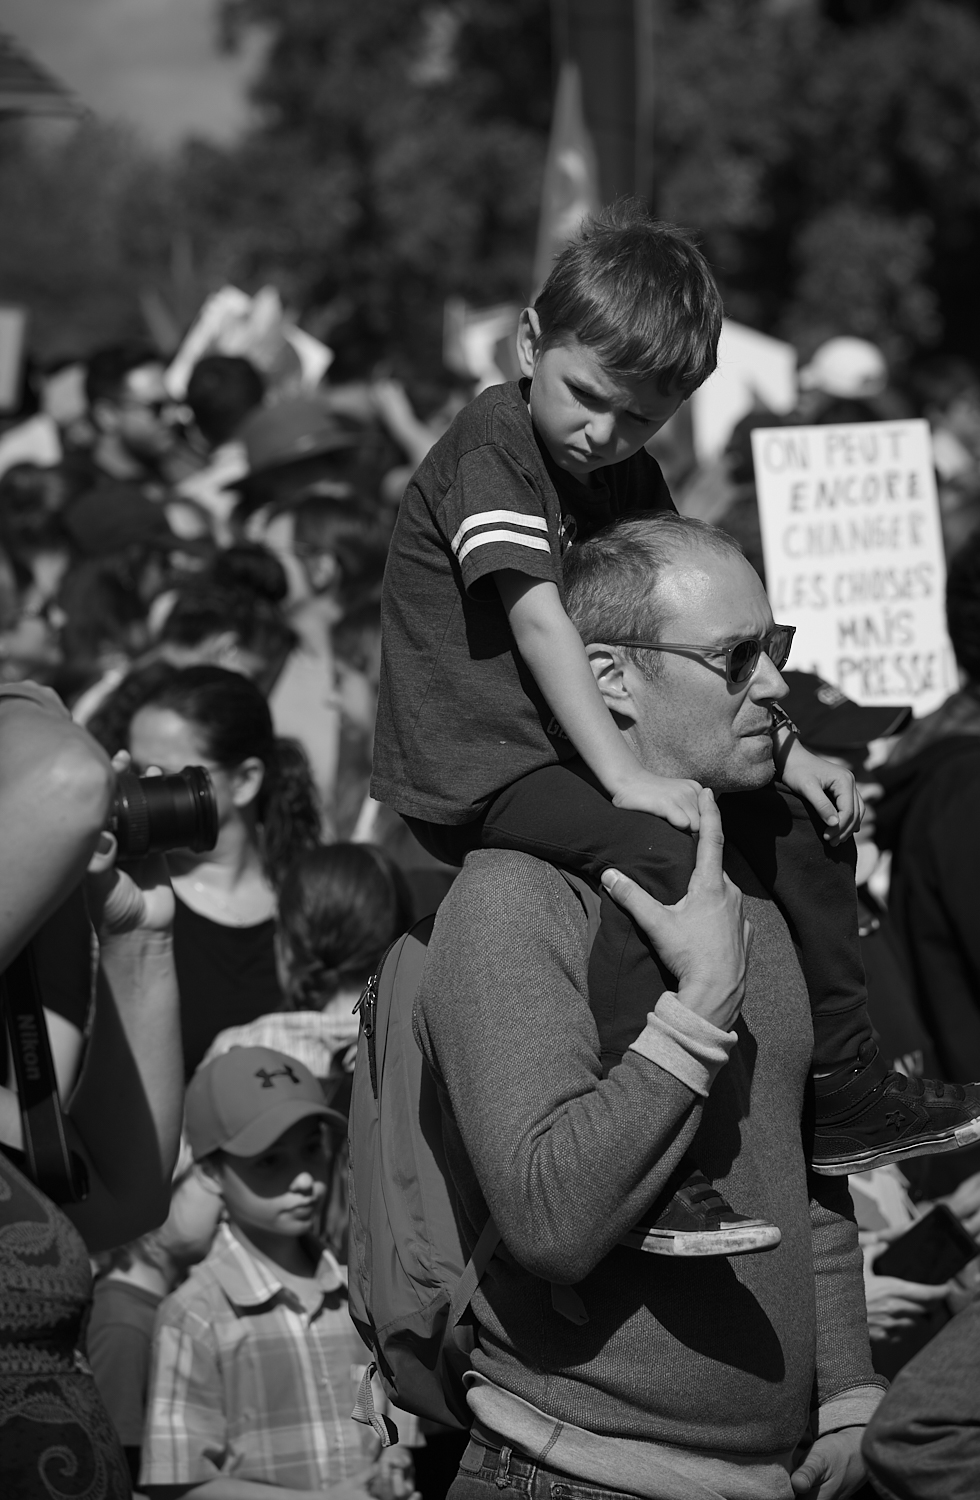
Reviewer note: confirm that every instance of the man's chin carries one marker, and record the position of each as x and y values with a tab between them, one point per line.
747	775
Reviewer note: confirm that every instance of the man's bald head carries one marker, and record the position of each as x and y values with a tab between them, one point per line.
615	581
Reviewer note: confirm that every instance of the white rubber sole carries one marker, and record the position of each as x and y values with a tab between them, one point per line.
742	1239
950	1140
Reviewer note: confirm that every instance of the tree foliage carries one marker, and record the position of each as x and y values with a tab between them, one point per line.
829	153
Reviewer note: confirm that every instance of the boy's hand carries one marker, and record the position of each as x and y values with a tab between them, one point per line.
673	800
831	790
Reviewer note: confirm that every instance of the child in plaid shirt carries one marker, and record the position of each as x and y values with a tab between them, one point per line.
255	1358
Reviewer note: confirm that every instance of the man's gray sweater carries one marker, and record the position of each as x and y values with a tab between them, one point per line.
719	1355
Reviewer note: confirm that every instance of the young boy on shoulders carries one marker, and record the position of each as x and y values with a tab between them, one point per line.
486	685
255	1355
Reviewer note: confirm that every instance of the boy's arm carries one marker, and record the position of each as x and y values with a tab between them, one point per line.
831	790
552	649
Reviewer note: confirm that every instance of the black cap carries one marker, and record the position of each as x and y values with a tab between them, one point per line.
827	720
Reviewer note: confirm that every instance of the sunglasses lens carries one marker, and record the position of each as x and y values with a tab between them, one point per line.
779	644
742	659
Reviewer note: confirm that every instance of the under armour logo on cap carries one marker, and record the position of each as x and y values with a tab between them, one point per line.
267	1077
236	1102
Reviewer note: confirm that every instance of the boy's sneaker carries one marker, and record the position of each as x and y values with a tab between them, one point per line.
867	1115
698	1221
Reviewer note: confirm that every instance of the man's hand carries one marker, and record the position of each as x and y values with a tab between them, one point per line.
704	939
666	797
830	790
833	1468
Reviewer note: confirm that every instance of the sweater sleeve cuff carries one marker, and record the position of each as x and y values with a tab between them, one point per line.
853	1408
684	1044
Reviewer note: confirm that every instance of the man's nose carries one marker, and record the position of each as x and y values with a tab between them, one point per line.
767	681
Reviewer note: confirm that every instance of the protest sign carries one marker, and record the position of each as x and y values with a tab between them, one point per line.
854	557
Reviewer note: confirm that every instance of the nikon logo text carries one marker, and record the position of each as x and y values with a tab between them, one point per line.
27	1026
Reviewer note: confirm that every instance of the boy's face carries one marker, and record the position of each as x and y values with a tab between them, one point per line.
281	1190
587	416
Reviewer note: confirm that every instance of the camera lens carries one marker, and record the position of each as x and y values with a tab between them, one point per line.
152	814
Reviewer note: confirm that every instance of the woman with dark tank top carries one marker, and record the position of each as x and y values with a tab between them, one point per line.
267	814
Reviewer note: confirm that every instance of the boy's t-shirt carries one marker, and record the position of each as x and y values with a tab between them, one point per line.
460	715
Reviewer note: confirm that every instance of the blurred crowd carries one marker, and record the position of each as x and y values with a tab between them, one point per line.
199	580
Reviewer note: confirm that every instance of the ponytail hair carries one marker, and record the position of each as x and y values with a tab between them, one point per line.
234	724
340	908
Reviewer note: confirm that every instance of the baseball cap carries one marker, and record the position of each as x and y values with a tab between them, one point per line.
827	719
246	1098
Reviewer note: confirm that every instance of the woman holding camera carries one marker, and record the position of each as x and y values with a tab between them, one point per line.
123	1120
267	814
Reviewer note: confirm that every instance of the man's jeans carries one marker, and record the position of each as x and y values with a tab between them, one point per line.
501	1474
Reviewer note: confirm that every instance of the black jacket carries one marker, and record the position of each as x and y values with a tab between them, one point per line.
930	820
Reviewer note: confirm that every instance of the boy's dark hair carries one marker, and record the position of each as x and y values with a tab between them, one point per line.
106	369
640	293
221	392
963	605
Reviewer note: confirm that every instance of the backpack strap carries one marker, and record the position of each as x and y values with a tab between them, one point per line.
473	1270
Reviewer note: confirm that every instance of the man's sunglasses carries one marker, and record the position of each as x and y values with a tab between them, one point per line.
741	659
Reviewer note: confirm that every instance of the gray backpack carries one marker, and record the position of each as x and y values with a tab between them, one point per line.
410	1276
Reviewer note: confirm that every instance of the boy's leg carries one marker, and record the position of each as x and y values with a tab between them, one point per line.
562	815
865	1114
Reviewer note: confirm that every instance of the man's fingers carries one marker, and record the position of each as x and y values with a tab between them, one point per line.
806	1478
711	839
630	896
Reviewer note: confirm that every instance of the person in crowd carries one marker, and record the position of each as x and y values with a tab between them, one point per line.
251	1388
133	1280
128	408
485	684
356	642
222	391
224	932
340	908
124	1116
126	555
34	554
923	1442
656	1376
929	818
294	448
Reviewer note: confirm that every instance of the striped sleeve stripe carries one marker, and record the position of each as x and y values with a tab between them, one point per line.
495	518
537	543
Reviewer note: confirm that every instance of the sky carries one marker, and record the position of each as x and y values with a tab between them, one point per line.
152	63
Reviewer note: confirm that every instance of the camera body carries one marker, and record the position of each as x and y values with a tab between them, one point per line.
153	814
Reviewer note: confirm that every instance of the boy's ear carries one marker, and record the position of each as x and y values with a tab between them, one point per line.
528	335
209	1173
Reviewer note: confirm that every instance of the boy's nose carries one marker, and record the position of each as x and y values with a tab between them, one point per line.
601	429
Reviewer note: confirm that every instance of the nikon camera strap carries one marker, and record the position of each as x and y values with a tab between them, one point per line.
57	1171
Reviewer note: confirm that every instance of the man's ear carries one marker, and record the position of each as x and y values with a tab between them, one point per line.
609	668
248	779
528	334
